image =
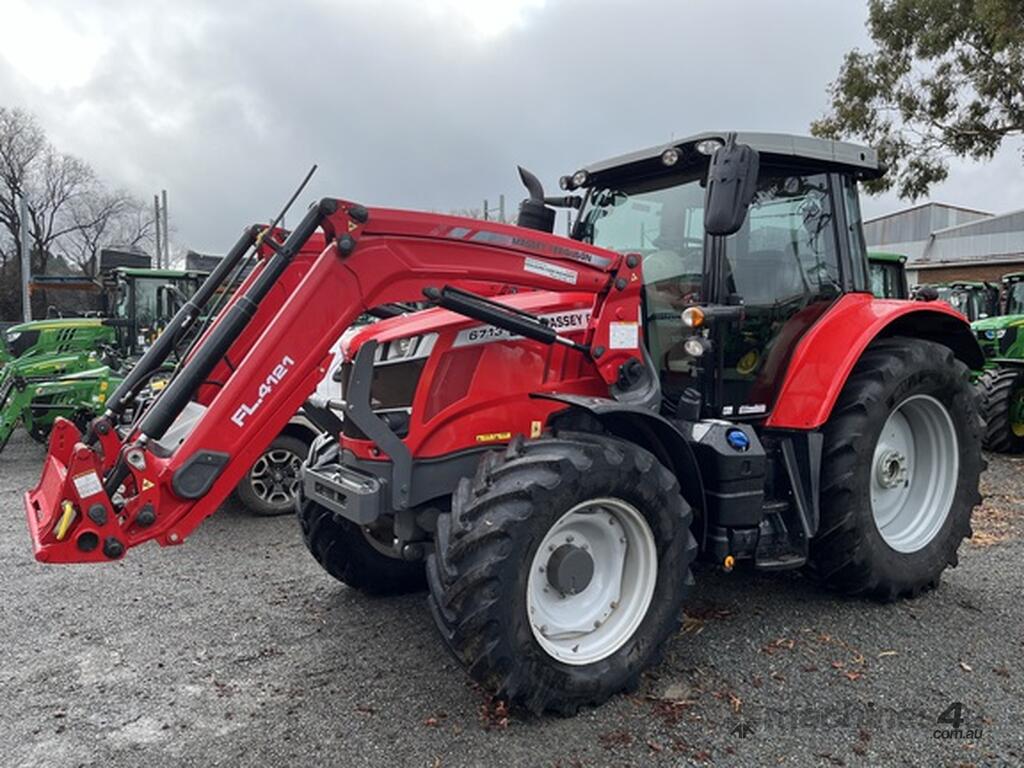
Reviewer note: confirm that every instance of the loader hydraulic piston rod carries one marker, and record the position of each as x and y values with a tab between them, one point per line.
162	348
498	315
173	400
180	390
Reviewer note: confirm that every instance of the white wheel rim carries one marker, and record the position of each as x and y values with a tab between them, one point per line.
594	623
914	473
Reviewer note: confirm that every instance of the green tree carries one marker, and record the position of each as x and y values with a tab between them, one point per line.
946	80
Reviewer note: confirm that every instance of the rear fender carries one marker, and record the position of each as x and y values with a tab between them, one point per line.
828	352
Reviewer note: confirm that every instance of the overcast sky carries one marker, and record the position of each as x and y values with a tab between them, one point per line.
417	103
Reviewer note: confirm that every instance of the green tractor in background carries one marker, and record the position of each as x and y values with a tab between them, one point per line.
974	299
75	386
59	336
888	275
42	353
1001	383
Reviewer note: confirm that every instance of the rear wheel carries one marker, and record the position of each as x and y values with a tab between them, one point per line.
561	570
1002	405
900	471
271	485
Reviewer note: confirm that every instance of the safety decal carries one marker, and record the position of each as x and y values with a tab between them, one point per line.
623	335
549	270
492	437
88	484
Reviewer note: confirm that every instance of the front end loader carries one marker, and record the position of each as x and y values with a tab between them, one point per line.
701	370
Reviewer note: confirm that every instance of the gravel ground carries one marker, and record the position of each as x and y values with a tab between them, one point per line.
237	650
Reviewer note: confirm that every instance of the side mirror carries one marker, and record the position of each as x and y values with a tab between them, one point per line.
732	182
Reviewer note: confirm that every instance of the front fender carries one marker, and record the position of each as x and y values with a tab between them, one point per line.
648	430
826	354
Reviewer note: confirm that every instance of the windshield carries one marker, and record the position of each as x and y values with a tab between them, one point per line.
1015	298
885	280
970	302
782	261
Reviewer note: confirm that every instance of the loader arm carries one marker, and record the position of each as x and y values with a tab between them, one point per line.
183	458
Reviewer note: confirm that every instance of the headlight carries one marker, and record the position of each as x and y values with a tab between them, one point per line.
402	347
409	348
696	346
1000	333
13	337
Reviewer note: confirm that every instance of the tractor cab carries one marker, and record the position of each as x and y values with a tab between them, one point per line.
998	335
141	301
748	295
975	300
888	275
1013	294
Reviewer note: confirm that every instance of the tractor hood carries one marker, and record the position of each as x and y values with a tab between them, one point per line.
45	365
545	304
58	324
997	323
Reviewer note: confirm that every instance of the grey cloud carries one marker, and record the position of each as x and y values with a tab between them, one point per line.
403	108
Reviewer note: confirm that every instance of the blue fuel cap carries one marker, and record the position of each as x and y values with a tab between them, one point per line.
737	439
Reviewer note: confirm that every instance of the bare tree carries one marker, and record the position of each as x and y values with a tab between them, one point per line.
22	143
62	184
104	218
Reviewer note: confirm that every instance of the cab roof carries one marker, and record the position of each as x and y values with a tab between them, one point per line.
828	154
164	273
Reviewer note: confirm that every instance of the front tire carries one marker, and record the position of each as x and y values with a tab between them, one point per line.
1002	406
345	551
900	472
520	573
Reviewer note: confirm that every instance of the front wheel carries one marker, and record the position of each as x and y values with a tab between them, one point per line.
561	571
900	472
1002	405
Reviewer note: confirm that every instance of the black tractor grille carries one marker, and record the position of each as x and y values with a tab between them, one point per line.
1006	343
393	387
994	346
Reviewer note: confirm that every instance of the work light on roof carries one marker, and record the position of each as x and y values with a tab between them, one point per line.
708	146
580	178
670	156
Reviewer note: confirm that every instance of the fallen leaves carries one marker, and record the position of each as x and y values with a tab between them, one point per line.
993	522
493	713
614	739
779	644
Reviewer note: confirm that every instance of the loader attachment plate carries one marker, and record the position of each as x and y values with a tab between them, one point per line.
69	516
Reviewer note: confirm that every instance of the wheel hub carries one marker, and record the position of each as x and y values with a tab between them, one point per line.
914	473
893	469
570	569
591	581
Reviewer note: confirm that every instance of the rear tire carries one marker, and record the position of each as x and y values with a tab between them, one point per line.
905	419
1002	406
487	593
344	551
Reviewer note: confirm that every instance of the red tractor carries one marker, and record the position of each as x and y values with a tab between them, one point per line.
699	371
